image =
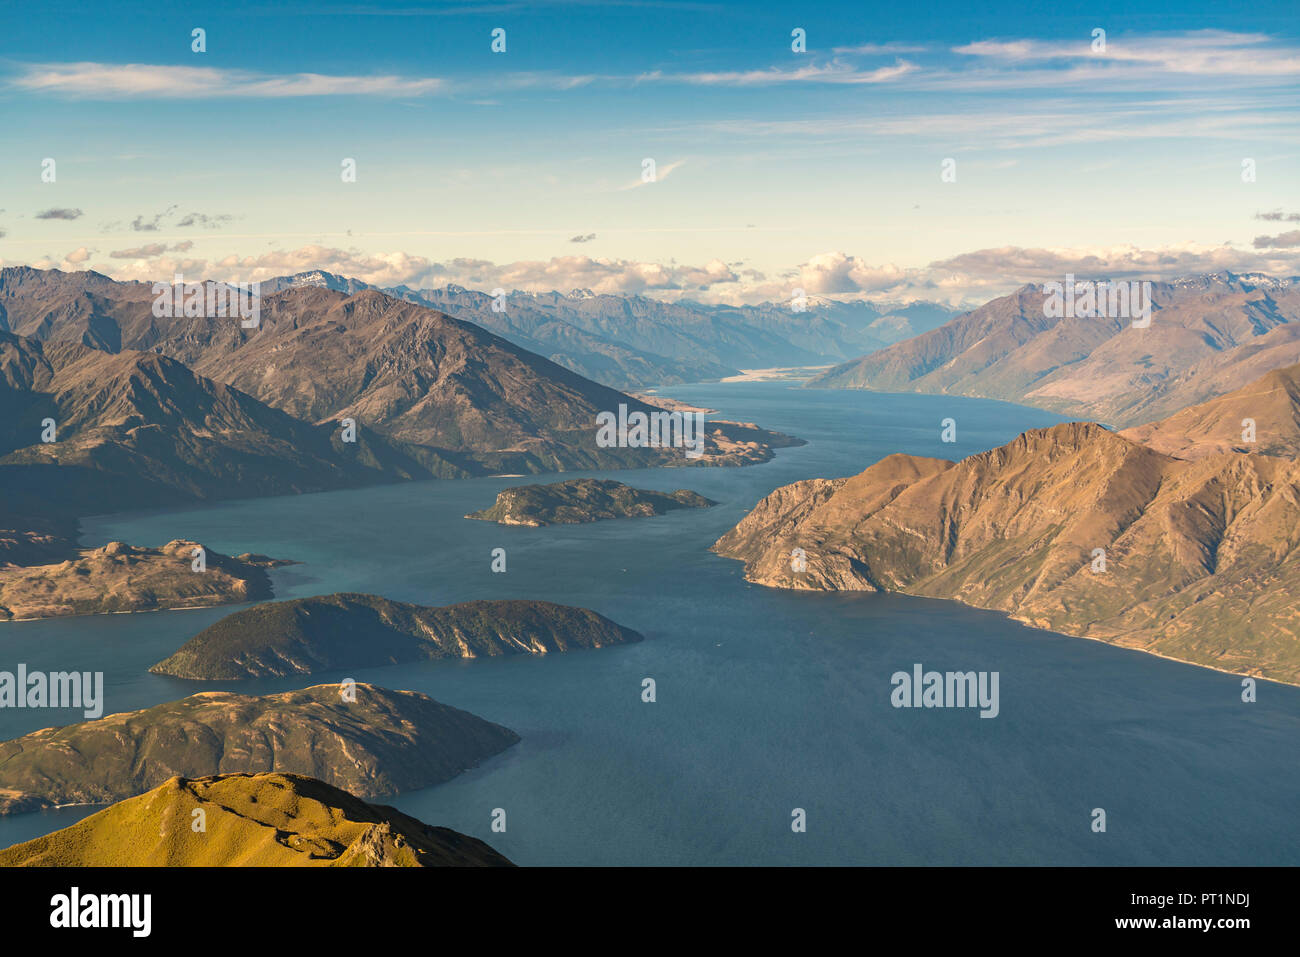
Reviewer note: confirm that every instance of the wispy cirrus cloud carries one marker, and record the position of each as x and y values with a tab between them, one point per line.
1204	52
1034	123
540	81
878	49
1205	59
151	81
108	81
832	72
985	64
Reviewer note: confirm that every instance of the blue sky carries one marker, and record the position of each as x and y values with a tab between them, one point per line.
775	169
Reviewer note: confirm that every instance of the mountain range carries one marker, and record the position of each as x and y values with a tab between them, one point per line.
635	342
331	389
167	433
1208	335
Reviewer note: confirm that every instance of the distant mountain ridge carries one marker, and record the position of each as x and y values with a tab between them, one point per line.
633	341
625	342
1208	335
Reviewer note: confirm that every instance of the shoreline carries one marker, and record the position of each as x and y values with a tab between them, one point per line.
137	611
778	374
1020	621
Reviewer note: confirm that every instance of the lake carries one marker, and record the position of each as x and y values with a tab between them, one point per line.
767	701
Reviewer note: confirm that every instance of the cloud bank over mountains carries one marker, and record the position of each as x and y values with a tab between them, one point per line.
967	279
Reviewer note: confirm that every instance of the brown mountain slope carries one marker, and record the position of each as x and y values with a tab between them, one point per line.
1201	558
167	432
469	399
1272	403
1208	336
84	307
424	378
250	820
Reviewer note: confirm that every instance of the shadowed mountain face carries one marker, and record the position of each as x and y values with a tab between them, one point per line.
1199	562
436	394
379	744
83	307
165	433
583	500
1263	416
1208	335
352	630
759	336
681	342
34	541
250	820
594	353
421	377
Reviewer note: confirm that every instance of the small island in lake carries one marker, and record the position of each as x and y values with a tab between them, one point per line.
349	630
583	500
123	578
371	741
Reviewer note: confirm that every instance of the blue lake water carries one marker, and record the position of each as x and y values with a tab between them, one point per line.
767	700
